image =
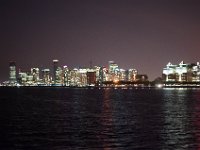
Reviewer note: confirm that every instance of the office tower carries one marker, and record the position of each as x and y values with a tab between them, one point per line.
55	67
22	78
101	76
74	77
196	72
66	76
91	77
121	76
113	71
46	76
12	72
97	70
59	73
112	66
82	77
132	75
35	74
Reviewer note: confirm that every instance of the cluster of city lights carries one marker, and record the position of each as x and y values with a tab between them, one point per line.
76	77
112	75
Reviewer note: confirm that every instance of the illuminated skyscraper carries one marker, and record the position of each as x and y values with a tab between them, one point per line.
22	78
112	67
35	74
46	76
55	67
74	77
132	73
66	76
12	72
58	79
82	77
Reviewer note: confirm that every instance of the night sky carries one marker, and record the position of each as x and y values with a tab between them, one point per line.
141	34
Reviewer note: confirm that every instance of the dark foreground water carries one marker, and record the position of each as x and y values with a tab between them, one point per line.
63	118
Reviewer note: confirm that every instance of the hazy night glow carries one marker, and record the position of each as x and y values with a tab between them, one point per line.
139	34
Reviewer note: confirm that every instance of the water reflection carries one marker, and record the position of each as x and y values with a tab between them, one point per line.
176	132
131	119
106	120
196	116
101	119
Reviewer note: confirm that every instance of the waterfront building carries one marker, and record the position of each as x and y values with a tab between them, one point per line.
55	67
196	72
35	72
100	77
82	77
59	74
12	72
122	75
46	78
132	73
182	72
97	70
91	77
113	72
22	78
112	66
73	77
66	76
25	78
103	73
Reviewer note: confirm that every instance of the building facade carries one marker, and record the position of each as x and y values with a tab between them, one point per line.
182	72
12	72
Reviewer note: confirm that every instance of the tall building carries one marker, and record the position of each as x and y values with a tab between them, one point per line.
97	70
91	77
12	72
100	76
59	73
82	77
35	74
112	66
46	76
132	73
66	76
22	77
55	67
25	78
74	77
122	75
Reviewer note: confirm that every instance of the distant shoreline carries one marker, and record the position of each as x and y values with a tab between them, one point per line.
109	87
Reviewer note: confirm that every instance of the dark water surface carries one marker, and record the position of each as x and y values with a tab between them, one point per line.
63	118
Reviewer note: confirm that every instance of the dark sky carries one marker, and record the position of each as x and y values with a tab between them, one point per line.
141	34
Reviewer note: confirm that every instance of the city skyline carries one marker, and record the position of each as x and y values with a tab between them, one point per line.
65	76
136	34
185	74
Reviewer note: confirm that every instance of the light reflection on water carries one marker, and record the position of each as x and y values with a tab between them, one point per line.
196	117
61	118
177	119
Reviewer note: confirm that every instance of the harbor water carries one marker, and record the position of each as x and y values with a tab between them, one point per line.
57	118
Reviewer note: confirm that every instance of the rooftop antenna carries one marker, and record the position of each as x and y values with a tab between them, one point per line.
90	64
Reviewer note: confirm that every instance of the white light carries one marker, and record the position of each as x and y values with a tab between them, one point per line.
159	85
